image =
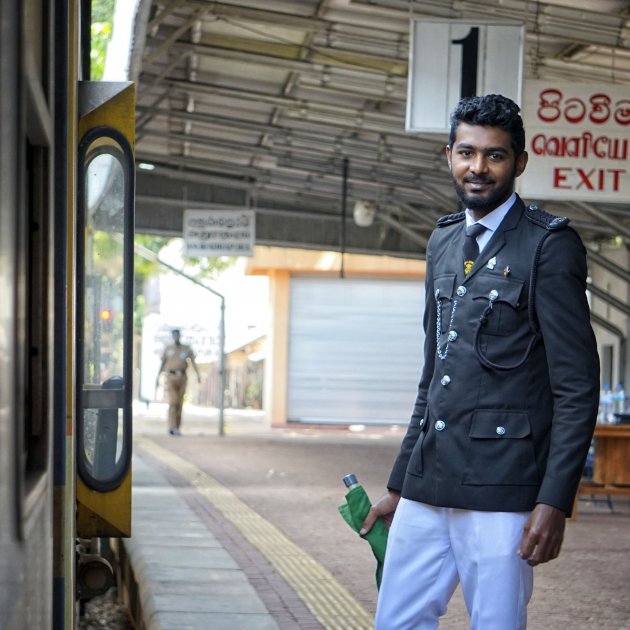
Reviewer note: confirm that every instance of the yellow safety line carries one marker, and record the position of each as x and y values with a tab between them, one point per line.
329	601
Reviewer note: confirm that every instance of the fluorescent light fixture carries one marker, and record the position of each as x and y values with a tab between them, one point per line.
146	166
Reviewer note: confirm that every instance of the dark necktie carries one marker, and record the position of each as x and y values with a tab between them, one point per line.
471	247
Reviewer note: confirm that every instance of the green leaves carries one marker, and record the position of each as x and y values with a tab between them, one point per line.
101	31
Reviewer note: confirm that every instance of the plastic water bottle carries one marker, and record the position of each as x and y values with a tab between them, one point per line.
610	405
602	416
620	399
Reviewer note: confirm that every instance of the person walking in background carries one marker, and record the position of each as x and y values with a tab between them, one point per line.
507	401
175	360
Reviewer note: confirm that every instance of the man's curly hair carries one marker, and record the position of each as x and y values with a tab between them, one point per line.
490	110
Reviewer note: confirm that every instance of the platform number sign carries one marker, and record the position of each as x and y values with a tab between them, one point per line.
451	59
469	61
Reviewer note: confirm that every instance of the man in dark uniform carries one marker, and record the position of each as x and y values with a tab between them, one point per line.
506	406
175	360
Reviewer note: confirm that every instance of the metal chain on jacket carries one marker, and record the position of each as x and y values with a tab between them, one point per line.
533	320
438	329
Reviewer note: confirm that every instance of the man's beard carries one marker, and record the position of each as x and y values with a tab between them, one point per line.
484	204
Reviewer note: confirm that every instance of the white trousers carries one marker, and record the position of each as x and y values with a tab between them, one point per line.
430	550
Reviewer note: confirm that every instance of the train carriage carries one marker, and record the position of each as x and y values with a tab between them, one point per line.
66	270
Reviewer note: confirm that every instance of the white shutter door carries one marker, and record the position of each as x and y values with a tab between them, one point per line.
355	349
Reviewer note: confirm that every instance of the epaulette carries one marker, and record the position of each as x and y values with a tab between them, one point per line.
451	218
545	219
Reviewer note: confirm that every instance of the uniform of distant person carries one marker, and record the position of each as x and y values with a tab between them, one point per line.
507	401
175	360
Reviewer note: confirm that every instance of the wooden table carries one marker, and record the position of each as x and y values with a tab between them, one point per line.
612	455
611	468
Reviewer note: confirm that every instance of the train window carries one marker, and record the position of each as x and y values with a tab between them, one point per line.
105	277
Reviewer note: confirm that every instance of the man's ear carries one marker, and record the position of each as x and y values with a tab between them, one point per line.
521	163
447	151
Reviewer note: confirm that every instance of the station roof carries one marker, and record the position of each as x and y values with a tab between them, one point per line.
257	103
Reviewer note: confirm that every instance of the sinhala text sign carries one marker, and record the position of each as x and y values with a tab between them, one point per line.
212	233
577	141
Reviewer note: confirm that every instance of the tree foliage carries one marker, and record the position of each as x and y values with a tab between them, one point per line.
144	267
101	34
198	268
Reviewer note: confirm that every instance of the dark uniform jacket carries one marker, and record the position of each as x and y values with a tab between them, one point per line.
508	425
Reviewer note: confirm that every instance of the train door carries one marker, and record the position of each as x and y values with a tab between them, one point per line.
27	225
104	315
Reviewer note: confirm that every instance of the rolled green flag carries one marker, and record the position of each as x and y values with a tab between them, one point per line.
354	511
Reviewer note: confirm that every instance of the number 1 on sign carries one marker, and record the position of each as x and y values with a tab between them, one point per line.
470	55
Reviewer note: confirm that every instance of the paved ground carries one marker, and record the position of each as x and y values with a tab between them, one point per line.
292	477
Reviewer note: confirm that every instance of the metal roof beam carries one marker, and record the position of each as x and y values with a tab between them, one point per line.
316	136
565	23
332	17
287	18
410	165
604	323
302	178
609	265
609	299
600	215
357	118
164	13
166	44
287	57
403	229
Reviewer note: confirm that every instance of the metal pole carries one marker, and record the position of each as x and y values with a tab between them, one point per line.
149	255
223	374
344	199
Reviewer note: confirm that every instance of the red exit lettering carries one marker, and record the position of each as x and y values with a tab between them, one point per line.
596	179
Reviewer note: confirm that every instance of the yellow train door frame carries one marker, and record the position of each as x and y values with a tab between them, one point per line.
104	303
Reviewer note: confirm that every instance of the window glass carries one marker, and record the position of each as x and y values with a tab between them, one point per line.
102	434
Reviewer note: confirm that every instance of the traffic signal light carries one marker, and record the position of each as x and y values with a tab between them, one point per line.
106	319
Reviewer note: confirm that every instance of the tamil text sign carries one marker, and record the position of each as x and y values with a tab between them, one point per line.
451	59
211	233
578	141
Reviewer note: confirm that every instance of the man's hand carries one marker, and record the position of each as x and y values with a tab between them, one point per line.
544	532
384	507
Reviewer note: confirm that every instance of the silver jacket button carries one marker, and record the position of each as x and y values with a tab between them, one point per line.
461	291
493	295
421	423
440	425
500	430
445	380
452	335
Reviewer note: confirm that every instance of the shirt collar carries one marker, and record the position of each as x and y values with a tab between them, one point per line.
493	219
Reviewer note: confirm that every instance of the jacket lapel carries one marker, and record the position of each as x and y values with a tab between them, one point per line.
496	243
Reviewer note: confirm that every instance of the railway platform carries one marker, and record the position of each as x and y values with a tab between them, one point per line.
242	532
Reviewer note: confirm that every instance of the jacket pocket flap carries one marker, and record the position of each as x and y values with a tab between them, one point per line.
499	424
444	286
498	290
